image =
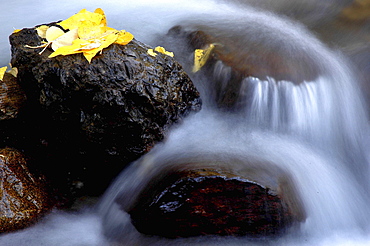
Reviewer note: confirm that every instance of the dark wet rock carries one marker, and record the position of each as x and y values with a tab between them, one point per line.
11	97
93	119
22	195
239	54
217	201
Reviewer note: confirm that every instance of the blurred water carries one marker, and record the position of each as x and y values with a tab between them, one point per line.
316	130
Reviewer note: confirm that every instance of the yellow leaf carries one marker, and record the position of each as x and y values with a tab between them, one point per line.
163	51
91	44
2	72
16	30
151	52
105	42
89	30
201	56
104	19
124	37
68	50
53	33
65	40
84	15
13	71
41	30
88	35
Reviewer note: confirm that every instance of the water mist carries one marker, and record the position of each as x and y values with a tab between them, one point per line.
315	130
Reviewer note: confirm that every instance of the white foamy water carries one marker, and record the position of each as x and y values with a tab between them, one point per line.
317	130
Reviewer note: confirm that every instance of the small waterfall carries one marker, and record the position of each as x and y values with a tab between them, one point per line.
317	130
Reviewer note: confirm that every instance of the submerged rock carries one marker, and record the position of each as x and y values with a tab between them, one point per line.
97	117
22	195
188	201
240	52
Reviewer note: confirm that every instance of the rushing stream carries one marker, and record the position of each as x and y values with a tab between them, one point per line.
317	129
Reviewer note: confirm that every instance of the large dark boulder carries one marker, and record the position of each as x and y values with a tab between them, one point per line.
94	118
23	197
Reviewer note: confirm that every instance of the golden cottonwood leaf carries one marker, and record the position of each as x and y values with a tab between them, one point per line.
104	19
41	30
106	41
163	51
87	30
124	37
151	52
53	33
2	72
65	39
13	71
201	56
69	49
84	15
88	35
16	30
159	49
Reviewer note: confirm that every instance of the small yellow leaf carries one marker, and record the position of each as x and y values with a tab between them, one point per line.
41	30
2	72
13	71
65	40
53	33
104	19
201	56
151	52
163	51
124	37
16	30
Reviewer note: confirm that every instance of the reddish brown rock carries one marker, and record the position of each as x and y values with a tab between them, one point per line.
22	197
216	202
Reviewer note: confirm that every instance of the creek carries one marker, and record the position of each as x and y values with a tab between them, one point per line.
317	130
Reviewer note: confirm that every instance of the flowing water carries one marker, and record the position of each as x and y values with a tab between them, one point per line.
316	130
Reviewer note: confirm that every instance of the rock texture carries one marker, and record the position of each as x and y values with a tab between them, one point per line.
12	97
211	201
240	52
94	118
22	195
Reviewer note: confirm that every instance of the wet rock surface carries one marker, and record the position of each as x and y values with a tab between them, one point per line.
237	56
22	194
11	97
92	119
210	201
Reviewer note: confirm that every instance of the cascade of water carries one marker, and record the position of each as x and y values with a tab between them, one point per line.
316	130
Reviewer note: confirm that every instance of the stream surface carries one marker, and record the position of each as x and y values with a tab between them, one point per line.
316	130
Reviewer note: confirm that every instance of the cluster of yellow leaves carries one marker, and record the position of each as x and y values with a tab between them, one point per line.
87	33
13	71
159	49
201	56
